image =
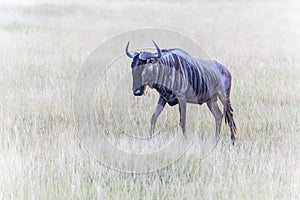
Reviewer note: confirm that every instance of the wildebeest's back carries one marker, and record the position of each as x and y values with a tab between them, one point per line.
203	77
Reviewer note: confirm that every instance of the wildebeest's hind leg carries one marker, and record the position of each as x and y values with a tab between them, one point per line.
228	111
215	110
160	106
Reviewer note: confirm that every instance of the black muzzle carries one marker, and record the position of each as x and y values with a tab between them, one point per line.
139	91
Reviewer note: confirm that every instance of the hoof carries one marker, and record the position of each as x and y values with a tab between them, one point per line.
150	137
233	139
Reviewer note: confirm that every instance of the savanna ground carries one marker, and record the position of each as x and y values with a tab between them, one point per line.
42	47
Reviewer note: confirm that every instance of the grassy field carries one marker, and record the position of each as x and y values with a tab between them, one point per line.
42	48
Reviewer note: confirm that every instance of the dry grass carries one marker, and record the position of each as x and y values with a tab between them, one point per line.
42	47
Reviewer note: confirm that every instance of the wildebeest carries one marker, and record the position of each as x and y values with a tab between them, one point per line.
179	79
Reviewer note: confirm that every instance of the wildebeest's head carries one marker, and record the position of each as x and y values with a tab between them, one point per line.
139	65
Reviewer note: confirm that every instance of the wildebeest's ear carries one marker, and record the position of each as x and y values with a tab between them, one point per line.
153	60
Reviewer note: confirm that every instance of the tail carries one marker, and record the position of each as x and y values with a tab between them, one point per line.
227	115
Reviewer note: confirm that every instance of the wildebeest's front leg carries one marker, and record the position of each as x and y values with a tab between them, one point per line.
182	110
160	106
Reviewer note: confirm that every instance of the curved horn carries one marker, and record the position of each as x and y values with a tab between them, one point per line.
158	50
127	52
